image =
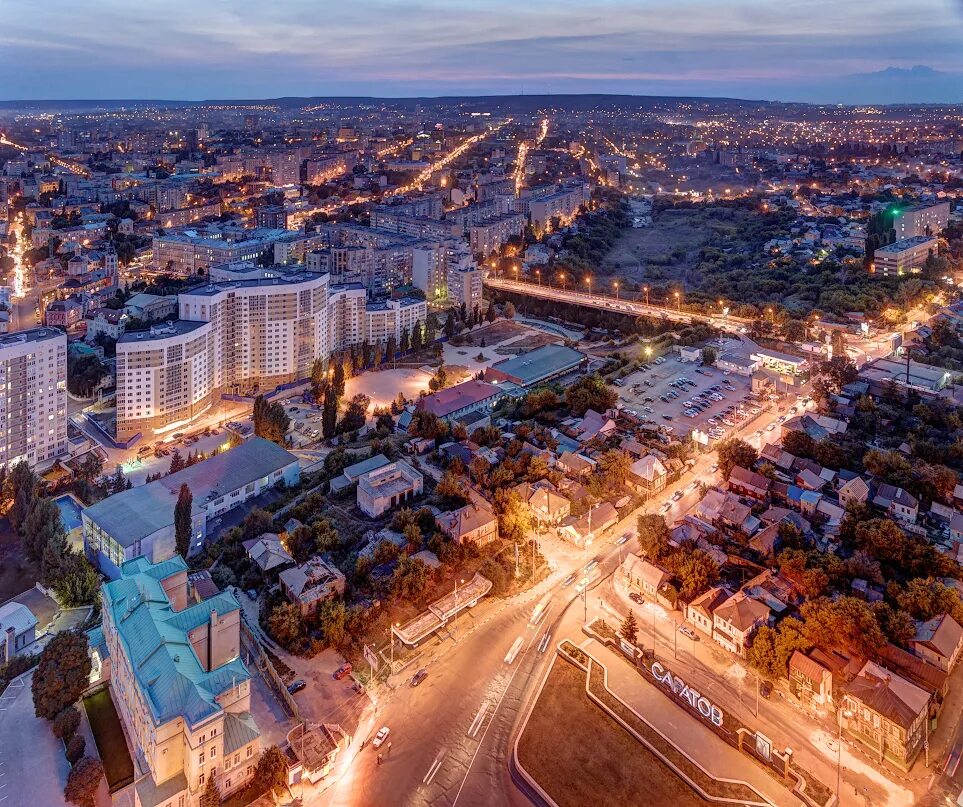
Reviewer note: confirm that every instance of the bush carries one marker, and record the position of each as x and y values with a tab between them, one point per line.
66	723
83	781
75	748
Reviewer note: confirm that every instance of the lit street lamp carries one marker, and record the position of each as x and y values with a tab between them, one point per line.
538	274
616	290
646	290
678	302
588	282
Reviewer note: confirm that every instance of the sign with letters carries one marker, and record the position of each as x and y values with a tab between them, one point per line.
706	708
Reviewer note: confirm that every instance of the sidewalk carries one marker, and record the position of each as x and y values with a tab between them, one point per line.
712	753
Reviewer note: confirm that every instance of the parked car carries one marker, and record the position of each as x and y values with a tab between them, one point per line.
296	686
622	539
765	689
343	670
568	580
381	736
635	597
686	631
419	676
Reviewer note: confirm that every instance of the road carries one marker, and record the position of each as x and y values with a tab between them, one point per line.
607	303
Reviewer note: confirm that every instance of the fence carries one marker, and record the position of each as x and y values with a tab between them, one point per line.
272	676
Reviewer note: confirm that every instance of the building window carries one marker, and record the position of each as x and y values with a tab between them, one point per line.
213	751
200	758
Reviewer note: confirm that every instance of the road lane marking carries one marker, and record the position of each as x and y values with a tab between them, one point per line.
479	719
434	767
542	645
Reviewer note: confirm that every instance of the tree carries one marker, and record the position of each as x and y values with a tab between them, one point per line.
62	674
42	527
20	485
391	349
355	414
697	572
630	628
450	325
412	535
772	648
794	331
329	412
83	781
416	338
338	380
92	467
846	622
332	620
77	582
514	518
615	465
733	452
508	310
211	796
590	392
405	341
270	420
66	722
653	536
709	355
183	524
286	626
177	462
75	748
490	313
271	773
439	380
410	579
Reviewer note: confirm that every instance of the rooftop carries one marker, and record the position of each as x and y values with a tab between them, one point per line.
539	364
143	510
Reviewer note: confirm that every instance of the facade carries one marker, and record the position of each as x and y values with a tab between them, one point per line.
563	204
905	255
736	620
18	629
886	713
33	397
179	684
107	322
454	402
489	236
386	487
648	475
925	220
140	522
465	286
938	641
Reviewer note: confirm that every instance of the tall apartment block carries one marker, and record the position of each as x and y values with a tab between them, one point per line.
243	337
33	396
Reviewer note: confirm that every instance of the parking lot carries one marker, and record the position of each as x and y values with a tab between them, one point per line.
686	396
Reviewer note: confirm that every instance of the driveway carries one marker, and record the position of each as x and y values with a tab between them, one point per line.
33	768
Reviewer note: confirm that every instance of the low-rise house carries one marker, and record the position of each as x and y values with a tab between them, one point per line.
545	503
577	466
582	530
855	491
594	425
748	483
268	553
643	576
18	627
809	680
386	487
311	583
897	502
475	523
700	612
886	713
735	621
350	475
777	457
938	641
648	475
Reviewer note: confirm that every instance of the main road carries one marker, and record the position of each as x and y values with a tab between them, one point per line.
618	305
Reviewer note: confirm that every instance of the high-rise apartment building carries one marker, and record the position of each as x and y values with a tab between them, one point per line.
33	396
242	337
922	220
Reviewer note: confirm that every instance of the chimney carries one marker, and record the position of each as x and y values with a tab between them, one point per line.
211	641
10	645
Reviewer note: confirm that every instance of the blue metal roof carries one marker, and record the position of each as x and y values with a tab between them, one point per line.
156	642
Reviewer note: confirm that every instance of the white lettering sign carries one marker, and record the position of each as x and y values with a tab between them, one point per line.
700	703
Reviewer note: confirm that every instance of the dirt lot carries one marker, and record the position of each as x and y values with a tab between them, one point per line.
497	331
668	248
575	751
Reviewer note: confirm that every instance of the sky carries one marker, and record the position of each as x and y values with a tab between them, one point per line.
823	51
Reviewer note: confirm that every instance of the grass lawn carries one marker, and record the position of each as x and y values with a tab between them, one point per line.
109	736
575	752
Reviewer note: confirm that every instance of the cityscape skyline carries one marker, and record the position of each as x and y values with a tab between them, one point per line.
807	51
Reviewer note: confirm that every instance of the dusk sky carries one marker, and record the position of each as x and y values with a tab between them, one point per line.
845	51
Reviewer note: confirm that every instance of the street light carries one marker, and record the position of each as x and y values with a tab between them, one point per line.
646	290
588	282
561	277
616	290
678	302
538	274
840	713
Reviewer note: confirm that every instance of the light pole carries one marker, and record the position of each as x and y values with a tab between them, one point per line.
457	581
616	290
588	282
678	302
840	713
538	274
391	635
645	289
561	278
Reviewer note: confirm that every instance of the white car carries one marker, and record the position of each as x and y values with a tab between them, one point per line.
665	508
381	736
